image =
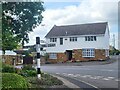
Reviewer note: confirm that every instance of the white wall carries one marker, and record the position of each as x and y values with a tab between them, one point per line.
101	43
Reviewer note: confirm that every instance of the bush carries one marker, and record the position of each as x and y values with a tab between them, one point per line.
8	69
12	80
29	73
28	67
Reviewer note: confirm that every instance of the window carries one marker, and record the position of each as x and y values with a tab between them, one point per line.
88	52
90	38
52	56
73	39
61	41
53	39
51	45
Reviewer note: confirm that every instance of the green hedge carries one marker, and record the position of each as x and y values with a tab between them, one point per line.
12	80
8	69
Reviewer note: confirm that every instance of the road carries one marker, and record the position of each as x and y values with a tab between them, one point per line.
88	76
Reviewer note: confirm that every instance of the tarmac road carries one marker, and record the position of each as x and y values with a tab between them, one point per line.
88	76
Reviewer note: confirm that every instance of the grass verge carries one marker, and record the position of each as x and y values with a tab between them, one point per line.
45	82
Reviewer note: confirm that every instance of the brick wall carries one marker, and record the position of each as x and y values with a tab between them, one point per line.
8	59
99	55
77	55
61	57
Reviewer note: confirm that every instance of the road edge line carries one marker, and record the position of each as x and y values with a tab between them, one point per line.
66	82
88	84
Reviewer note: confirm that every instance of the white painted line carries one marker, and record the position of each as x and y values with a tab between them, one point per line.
111	77
99	77
65	74
93	77
57	73
106	70
70	74
106	79
84	76
77	75
88	75
117	80
87	83
66	82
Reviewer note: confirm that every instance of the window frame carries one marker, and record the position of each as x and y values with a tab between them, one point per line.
88	52
61	41
53	56
53	39
73	39
90	38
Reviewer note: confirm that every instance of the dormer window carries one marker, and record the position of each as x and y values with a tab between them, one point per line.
73	39
90	38
53	39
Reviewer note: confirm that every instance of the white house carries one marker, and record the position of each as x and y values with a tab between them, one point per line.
78	42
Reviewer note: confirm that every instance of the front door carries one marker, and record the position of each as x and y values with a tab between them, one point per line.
69	54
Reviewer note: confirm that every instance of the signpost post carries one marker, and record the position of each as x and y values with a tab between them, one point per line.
38	57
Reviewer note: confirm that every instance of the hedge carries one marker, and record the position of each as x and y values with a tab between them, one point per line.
12	80
8	68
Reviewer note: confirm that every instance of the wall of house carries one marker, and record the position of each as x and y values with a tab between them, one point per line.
101	43
77	56
99	55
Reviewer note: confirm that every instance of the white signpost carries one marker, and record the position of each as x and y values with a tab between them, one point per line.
38	57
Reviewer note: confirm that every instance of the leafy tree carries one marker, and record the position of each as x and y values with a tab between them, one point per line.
19	18
0	26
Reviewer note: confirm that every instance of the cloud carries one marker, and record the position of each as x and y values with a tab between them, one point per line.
87	11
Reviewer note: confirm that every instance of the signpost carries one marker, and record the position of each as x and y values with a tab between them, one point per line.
38	57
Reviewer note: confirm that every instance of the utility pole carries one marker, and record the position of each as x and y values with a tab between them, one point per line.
114	40
38	57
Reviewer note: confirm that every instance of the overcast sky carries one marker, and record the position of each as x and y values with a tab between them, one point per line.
77	12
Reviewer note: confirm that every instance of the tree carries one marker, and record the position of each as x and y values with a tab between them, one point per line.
0	26
19	18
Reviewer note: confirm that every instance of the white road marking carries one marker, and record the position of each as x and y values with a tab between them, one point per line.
111	77
93	77
117	80
70	74
57	73
90	76
99	77
83	76
65	74
106	79
77	75
88	83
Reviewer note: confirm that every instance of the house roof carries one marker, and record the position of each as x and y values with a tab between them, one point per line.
81	29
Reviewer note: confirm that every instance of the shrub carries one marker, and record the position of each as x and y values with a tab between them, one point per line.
28	67
12	80
8	69
28	73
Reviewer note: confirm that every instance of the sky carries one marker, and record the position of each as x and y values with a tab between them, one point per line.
71	12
